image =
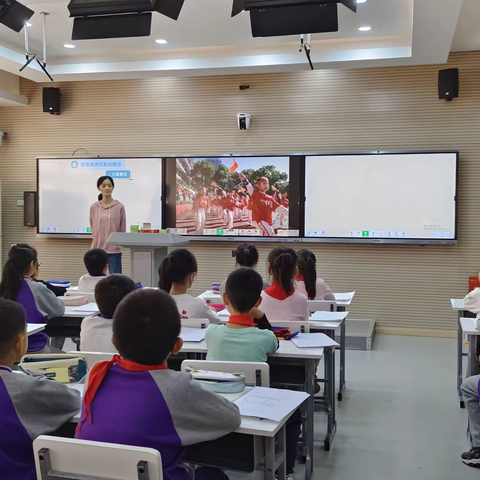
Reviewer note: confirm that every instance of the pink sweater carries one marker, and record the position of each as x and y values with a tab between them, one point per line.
104	221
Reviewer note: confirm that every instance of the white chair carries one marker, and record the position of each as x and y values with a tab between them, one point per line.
195	322
61	458
321	305
294	326
94	357
256	373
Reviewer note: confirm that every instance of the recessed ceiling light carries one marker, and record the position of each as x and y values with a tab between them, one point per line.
28	24
365	29
69	45
161	41
361	1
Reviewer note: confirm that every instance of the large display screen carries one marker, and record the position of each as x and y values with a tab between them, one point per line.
67	187
381	197
234	196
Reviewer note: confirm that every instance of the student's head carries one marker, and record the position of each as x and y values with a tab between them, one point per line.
282	266
247	255
243	290
13	332
263	184
146	327
230	193
202	191
22	262
110	291
180	266
105	186
306	261
96	262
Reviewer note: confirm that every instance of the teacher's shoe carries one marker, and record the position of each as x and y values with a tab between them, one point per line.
472	458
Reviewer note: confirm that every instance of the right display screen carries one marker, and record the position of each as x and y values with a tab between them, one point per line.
381	196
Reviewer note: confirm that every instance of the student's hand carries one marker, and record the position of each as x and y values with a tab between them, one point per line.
213	309
256	313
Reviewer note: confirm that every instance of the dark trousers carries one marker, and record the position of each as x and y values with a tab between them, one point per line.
114	263
207	473
292	434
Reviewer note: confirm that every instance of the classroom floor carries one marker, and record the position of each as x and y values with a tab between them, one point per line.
400	417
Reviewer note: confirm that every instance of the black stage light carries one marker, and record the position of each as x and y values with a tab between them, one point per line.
14	15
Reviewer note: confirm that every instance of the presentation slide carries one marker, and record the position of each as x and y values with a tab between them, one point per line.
241	196
68	187
407	196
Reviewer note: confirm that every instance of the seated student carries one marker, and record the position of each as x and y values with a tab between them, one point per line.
136	400
177	272
96	263
307	282
96	332
471	396
246	256
280	301
39	302
240	339
29	406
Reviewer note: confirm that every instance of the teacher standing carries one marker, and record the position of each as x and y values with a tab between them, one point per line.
107	216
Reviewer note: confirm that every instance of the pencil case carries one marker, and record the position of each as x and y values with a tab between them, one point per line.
64	368
219	382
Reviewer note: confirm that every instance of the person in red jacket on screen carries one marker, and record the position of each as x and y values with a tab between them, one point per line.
201	206
229	204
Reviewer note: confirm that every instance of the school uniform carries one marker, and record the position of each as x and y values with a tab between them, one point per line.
472	303
192	307
277	305
96	335
29	407
152	406
240	344
323	292
88	282
229	205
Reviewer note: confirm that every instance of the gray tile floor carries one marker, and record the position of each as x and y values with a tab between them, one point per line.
400	417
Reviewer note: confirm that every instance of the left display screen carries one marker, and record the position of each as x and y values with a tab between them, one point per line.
67	187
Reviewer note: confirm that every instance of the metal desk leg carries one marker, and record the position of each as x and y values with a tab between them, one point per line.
282	453
310	376
269	458
460	360
330	396
473	367
276	459
342	385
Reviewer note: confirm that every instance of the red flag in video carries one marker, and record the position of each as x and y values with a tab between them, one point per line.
234	166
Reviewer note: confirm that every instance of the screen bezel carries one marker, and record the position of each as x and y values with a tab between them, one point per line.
410	241
296	173
87	157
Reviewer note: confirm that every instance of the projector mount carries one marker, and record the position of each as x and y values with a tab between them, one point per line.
305	45
33	56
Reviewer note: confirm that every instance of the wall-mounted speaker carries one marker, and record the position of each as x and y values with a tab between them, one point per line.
30	209
448	84
52	100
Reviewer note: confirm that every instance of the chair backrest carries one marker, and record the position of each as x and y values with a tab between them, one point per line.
94	357
195	322
61	458
321	305
256	373
294	326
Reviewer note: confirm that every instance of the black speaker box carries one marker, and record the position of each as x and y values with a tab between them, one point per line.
14	15
448	84
51	100
30	209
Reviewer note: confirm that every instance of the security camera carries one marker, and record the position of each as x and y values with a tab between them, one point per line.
243	121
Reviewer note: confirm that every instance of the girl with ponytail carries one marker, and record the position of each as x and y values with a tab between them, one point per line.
38	301
177	273
280	300
307	282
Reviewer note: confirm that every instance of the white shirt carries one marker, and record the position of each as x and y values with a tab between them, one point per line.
293	308
96	335
192	307
472	303
323	292
87	283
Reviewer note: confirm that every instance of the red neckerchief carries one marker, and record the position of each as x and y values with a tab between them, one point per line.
97	374
242	320
299	278
275	290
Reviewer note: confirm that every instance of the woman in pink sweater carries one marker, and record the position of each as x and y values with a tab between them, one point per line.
107	216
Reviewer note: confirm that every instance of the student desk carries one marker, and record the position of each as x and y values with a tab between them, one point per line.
308	358
68	325
458	305
35	328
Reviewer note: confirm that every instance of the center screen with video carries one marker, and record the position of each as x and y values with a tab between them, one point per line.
233	196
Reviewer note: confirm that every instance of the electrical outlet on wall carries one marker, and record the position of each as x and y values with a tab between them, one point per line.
20	203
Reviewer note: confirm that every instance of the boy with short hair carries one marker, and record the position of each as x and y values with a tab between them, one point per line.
96	332
96	263
136	400
29	406
240	339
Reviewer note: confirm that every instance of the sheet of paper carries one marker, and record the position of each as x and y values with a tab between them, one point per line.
328	316
224	313
189	334
270	403
344	297
313	340
80	387
35	326
88	308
